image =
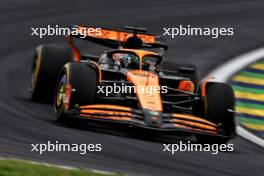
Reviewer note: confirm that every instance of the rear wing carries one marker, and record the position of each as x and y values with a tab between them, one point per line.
118	38
114	35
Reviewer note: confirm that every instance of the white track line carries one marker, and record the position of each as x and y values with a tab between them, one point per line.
249	136
225	71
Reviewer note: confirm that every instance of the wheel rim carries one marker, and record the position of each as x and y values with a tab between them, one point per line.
60	94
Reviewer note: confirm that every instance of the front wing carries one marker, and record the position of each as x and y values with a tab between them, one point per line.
165	121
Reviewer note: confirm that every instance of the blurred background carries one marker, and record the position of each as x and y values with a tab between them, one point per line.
24	122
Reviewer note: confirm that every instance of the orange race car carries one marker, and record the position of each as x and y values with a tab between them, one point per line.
128	85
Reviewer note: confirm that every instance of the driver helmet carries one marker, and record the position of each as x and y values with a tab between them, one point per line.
130	62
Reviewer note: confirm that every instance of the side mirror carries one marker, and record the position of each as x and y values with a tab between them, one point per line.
187	70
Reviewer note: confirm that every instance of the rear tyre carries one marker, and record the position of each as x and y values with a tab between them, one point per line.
219	105
76	86
47	62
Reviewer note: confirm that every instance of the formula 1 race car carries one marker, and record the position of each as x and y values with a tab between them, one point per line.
128	85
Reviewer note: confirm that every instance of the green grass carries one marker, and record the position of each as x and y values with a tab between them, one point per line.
21	168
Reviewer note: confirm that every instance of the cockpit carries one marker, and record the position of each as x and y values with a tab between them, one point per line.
131	59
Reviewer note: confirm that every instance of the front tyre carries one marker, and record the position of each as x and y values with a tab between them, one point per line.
76	86
219	107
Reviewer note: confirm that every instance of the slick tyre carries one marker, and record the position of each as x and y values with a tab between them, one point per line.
47	63
76	86
219	106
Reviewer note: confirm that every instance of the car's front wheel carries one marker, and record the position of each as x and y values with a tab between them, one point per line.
76	86
219	109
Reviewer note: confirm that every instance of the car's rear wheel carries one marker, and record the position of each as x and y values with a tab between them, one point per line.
47	62
219	107
76	86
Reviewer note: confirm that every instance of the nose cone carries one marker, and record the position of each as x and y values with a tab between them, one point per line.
152	118
147	89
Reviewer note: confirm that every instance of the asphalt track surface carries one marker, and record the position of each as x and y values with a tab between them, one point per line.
24	122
